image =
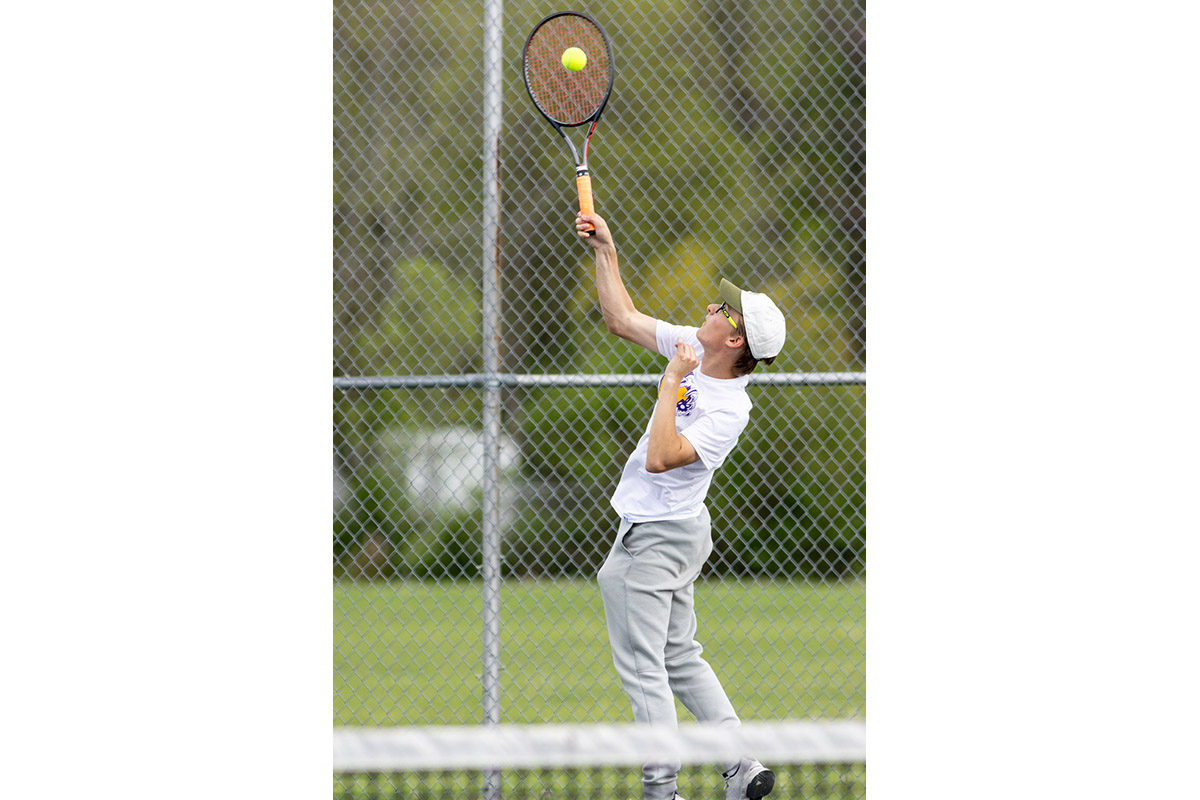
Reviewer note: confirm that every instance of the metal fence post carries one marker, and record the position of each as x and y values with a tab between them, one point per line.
492	92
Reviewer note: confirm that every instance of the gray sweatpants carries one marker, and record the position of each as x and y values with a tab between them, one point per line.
646	583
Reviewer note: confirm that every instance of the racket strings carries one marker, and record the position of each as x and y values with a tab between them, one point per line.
569	97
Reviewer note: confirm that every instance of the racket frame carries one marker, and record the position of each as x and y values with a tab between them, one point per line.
583	180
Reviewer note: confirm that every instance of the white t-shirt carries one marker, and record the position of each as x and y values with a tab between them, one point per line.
711	413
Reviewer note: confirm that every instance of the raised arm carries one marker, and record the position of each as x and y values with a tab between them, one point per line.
620	315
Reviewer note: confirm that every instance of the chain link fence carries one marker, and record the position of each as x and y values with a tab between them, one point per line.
733	146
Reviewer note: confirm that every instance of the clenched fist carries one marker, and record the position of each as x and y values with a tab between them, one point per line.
596	238
683	362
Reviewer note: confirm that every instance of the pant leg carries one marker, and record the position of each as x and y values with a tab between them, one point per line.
637	611
690	677
647	566
637	616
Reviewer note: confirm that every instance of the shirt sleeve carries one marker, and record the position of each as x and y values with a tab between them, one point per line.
714	435
667	334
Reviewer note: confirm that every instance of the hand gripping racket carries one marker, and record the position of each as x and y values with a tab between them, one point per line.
570	97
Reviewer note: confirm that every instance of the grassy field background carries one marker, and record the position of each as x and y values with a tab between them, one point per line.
409	653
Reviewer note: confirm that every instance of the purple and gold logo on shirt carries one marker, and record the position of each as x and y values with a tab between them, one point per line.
686	401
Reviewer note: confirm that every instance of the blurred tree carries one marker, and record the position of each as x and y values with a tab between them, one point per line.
734	145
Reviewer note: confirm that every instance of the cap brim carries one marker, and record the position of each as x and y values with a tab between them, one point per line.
731	295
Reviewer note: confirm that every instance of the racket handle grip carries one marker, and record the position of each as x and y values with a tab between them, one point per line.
583	183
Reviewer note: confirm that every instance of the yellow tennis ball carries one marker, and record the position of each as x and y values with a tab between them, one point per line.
574	59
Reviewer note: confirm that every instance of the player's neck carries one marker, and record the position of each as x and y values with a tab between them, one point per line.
715	367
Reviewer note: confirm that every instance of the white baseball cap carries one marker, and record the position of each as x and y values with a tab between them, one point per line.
762	319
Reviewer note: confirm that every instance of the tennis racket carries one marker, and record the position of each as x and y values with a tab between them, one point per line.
567	97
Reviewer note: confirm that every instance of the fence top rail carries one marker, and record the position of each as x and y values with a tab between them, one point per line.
593	745
504	379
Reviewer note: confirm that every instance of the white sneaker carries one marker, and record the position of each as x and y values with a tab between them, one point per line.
749	780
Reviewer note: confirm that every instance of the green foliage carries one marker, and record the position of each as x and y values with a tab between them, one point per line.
741	156
381	535
574	444
366	542
428	322
789	506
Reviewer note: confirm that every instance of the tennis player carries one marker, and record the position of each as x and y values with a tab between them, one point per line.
665	534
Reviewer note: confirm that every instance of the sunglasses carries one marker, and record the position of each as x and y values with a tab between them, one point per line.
726	313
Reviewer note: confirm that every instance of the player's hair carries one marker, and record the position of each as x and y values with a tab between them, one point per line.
746	363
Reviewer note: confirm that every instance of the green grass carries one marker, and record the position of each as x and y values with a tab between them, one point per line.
793	782
410	653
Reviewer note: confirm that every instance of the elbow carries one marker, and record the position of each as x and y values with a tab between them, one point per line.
615	325
655	465
618	322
